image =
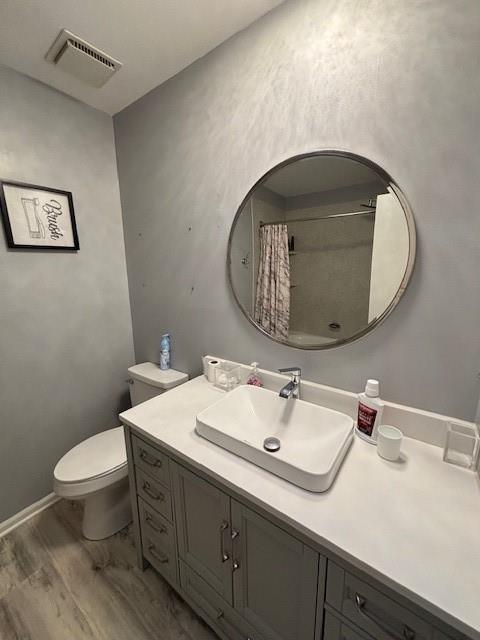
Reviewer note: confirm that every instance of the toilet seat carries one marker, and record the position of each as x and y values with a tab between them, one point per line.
91	465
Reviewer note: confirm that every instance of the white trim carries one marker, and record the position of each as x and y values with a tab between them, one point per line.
27	513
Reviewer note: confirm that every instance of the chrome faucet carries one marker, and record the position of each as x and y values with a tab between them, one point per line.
292	388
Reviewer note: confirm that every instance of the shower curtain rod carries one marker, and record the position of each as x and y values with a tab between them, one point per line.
333	215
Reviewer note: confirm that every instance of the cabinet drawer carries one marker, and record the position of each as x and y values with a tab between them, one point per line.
216	610
154	525
154	494
162	557
370	610
151	460
336	629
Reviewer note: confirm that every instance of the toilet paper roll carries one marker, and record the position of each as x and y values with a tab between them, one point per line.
210	369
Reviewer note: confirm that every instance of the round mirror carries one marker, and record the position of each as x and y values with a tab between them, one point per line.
321	250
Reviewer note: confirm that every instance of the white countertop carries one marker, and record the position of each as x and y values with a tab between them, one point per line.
414	525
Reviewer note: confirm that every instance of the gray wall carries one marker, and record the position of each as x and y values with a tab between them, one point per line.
394	81
66	337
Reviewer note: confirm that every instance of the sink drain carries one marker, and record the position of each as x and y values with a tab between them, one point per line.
271	444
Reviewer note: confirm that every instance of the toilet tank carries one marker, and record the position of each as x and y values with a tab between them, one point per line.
147	380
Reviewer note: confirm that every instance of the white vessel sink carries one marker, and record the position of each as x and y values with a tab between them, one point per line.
313	439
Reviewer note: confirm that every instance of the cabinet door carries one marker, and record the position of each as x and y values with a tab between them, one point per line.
203	529
274	578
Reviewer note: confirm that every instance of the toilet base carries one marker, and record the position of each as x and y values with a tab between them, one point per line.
107	511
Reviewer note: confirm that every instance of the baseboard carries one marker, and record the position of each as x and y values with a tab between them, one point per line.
27	513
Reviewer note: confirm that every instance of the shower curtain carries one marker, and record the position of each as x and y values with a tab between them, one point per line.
272	298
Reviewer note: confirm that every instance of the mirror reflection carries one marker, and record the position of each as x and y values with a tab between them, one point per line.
321	250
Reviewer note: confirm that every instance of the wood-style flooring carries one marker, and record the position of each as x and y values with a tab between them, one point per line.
55	585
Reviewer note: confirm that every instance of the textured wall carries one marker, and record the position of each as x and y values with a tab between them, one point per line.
65	321
394	81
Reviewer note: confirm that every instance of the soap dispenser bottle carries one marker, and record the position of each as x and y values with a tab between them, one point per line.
370	409
254	377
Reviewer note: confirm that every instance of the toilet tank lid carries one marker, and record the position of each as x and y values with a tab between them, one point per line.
152	374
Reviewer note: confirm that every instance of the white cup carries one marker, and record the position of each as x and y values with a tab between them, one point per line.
389	442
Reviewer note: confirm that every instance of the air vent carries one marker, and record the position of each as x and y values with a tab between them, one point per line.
82	60
89	51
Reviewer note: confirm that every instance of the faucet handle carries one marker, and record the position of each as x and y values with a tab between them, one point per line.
296	373
295	370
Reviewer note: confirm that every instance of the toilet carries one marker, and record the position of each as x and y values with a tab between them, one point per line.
95	470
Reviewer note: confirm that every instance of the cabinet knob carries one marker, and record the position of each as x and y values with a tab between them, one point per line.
150	460
236	565
153	525
151	492
158	555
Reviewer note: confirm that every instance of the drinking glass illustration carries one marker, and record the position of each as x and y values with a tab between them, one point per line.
35	225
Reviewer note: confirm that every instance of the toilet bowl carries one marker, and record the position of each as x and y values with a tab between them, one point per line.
96	471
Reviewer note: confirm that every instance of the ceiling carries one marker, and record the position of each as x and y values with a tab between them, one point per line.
154	39
319	173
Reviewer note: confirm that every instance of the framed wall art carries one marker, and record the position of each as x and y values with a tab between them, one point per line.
37	217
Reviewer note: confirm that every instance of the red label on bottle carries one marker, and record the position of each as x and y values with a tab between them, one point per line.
366	419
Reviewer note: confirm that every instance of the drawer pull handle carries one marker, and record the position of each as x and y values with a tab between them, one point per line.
152	524
161	557
223	554
146	457
360	602
150	492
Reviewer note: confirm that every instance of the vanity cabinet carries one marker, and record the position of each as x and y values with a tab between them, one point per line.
248	577
264	574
